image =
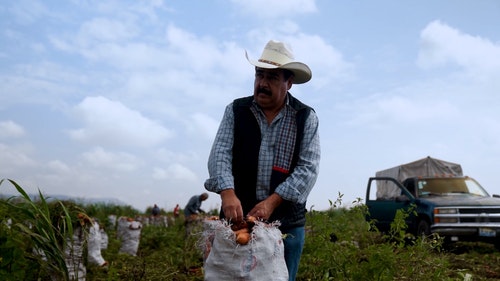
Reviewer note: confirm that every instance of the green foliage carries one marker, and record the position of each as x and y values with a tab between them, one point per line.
12	253
165	253
101	211
33	235
340	245
398	232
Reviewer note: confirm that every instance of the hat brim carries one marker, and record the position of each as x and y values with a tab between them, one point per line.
301	71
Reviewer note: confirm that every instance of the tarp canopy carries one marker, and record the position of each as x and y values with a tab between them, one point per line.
425	167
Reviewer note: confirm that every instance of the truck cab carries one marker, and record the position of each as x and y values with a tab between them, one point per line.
455	207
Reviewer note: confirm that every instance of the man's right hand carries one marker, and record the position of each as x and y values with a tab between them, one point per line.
231	205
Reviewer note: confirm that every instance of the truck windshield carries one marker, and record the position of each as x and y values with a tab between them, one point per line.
447	186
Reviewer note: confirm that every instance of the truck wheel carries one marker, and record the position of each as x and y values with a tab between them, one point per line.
497	244
423	228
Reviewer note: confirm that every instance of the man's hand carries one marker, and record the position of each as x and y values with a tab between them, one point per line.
231	205
264	209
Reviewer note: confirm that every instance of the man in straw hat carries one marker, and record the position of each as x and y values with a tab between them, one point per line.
265	157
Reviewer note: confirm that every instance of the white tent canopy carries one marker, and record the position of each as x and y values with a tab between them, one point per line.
425	167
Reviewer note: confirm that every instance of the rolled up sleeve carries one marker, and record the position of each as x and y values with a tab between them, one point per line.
220	159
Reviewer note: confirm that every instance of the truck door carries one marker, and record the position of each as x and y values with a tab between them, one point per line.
384	197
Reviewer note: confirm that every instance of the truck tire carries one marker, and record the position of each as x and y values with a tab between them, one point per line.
423	228
497	244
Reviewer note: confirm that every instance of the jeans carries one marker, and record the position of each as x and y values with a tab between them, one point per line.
293	244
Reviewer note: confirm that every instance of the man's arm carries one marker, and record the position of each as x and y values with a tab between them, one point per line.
220	167
221	156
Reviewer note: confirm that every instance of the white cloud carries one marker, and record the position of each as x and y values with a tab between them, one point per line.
110	123
15	158
104	30
119	161
10	129
203	125
442	44
27	12
174	172
415	111
398	111
58	167
328	64
275	8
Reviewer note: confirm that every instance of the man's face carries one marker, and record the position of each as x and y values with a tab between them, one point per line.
270	88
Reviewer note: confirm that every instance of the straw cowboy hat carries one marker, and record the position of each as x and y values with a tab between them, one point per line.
279	55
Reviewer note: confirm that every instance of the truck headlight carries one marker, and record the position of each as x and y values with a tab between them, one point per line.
445	215
445	211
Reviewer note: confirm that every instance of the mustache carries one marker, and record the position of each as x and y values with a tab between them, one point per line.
264	91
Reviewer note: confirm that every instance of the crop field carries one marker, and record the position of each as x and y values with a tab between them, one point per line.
340	245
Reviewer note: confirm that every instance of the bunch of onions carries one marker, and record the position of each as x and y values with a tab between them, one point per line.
242	229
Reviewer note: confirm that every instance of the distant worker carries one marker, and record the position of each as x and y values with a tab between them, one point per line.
191	211
193	207
156	210
176	211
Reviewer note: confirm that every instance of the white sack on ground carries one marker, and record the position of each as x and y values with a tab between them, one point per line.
104	239
260	260
144	220
129	233
94	255
112	221
159	221
74	255
122	225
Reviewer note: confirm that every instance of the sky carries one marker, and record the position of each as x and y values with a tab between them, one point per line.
122	99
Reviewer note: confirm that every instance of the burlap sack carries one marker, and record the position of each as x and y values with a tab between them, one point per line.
94	255
260	260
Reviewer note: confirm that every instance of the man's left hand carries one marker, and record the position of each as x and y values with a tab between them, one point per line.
264	209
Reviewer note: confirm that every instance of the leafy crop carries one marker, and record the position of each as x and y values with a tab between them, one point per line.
340	245
34	235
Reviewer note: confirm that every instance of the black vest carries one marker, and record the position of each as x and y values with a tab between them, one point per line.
246	146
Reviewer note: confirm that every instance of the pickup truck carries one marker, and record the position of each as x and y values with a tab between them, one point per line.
455	207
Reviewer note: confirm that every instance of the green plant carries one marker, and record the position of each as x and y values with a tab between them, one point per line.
37	234
340	245
13	262
398	233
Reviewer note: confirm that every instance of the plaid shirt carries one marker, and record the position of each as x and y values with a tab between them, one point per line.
297	186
